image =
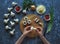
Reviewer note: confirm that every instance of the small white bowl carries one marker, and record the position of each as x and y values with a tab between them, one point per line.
41	9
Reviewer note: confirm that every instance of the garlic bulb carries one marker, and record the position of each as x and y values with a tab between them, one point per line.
6	15
16	20
12	14
9	9
7	27
14	3
33	7
6	21
12	32
12	23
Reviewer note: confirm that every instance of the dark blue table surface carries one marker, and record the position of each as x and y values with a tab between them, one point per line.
53	37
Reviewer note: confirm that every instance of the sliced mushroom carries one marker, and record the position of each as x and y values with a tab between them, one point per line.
40	24
36	20
25	18
24	23
29	21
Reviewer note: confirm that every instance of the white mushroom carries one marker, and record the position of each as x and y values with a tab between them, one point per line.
6	21
16	20
14	3
12	32
24	11
12	23
6	15
12	14
7	27
9	9
32	28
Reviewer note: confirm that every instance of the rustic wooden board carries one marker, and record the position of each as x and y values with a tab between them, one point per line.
34	24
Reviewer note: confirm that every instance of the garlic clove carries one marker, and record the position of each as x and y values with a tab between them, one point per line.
14	3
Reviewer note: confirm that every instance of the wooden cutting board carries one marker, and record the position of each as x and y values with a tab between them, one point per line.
33	23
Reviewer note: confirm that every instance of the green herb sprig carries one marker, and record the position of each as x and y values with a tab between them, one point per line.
50	24
27	3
